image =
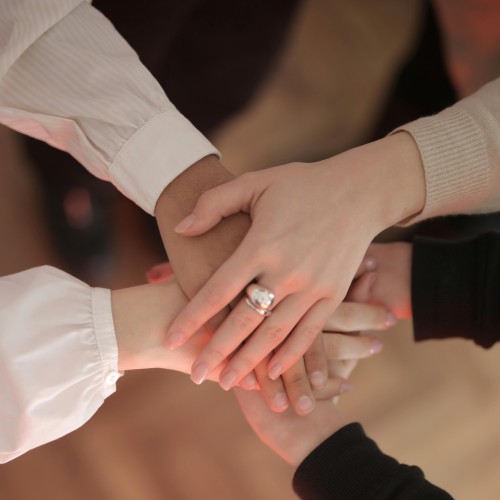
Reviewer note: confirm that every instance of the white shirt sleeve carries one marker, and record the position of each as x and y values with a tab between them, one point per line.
58	357
68	78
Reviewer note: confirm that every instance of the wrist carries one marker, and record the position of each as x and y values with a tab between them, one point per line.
403	179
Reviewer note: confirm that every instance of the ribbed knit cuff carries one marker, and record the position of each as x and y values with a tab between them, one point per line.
455	160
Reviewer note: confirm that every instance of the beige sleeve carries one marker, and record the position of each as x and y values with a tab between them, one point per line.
460	149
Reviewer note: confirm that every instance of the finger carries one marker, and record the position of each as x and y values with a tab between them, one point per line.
352	317
298	389
348	367
316	363
249	383
340	347
159	272
301	338
273	391
216	203
228	337
270	334
335	386
361	289
222	287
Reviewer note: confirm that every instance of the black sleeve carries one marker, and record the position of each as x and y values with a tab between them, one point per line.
456	289
349	466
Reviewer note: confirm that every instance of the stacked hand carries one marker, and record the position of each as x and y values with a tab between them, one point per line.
311	225
142	314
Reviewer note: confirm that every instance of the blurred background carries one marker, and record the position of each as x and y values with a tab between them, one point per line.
269	83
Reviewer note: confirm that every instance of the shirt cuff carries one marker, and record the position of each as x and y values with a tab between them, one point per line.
454	155
104	330
156	154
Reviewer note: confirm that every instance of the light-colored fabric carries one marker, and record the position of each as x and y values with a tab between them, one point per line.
58	357
68	78
460	150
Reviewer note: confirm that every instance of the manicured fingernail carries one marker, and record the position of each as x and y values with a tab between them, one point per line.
199	373
249	382
280	401
317	379
274	372
305	404
185	223
370	264
227	380
175	339
391	320
345	387
376	346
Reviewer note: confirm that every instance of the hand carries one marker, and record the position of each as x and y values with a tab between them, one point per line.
311	225
313	377
392	284
292	437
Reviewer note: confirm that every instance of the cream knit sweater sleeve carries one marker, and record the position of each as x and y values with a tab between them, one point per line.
460	150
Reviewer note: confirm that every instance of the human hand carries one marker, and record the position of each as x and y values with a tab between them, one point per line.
344	201
391	286
316	376
289	435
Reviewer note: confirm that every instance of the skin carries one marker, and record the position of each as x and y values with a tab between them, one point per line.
392	286
196	259
142	314
345	200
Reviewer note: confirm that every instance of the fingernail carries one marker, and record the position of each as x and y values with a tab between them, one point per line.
371	280
227	380
280	401
317	379
274	372
370	264
345	387
305	404
175	339
391	320
199	373
376	346
249	382
185	223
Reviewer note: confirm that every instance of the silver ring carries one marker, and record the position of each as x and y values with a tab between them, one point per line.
262	312
261	298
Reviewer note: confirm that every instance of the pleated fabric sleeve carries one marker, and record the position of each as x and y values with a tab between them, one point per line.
58	357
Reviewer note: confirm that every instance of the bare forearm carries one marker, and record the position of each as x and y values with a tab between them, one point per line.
141	315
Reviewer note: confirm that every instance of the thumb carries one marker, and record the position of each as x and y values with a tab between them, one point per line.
215	204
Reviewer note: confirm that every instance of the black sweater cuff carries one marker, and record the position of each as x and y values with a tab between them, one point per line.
349	465
456	289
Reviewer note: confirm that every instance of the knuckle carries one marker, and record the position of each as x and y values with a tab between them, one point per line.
243	322
274	335
310	332
346	315
297	378
316	357
244	364
215	299
332	349
214	356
